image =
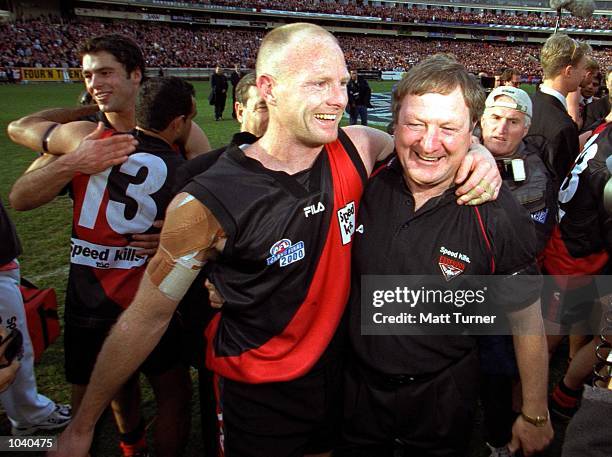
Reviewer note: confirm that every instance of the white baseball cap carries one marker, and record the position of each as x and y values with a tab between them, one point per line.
521	99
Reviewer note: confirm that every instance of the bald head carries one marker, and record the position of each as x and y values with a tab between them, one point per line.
290	38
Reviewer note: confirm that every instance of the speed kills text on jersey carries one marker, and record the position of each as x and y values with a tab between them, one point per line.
98	256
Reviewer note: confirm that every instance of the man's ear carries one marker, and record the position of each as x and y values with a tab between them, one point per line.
136	75
567	71
265	84
239	110
176	124
526	130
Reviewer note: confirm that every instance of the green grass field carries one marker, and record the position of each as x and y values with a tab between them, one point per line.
45	232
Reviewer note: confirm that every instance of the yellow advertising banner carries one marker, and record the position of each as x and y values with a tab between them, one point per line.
51	74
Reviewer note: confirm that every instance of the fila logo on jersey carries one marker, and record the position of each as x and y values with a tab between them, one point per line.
452	263
313	209
346	219
286	252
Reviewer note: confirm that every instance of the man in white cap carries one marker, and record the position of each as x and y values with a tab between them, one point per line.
505	123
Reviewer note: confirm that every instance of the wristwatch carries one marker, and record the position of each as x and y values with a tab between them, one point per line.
538	421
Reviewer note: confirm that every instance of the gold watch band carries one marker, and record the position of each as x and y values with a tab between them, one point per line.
538	421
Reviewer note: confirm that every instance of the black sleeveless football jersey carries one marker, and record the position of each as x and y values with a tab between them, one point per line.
583	240
285	270
108	208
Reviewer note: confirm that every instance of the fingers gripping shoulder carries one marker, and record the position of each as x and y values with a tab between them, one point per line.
189	237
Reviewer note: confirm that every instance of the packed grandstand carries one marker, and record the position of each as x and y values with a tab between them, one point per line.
386	36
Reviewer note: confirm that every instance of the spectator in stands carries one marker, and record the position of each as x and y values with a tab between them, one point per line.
564	62
27	410
359	94
174	45
218	91
510	77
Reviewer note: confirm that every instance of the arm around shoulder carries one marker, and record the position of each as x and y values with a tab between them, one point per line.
372	144
30	131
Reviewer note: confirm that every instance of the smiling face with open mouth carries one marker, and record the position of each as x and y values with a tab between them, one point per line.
106	79
432	136
311	93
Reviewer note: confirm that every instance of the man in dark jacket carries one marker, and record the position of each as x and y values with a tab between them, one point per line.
235	79
218	87
359	94
563	61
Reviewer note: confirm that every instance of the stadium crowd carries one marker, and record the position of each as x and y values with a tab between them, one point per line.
39	43
429	15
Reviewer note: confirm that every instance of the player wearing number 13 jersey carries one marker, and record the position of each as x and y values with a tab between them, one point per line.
108	208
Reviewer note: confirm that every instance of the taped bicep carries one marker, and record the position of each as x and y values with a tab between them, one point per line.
190	236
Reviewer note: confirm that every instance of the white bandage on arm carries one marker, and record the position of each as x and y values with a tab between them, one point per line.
187	239
178	280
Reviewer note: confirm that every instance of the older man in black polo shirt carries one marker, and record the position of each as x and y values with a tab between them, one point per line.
420	391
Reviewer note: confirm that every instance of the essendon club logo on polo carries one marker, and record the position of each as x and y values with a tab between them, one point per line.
451	268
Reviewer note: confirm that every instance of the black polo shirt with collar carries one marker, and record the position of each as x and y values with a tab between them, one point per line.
394	239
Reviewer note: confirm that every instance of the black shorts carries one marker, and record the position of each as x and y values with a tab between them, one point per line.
281	419
424	416
82	345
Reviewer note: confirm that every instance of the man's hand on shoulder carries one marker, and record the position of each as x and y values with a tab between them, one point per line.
95	154
483	178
